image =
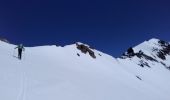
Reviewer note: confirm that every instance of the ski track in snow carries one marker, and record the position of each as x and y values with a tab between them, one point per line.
21	95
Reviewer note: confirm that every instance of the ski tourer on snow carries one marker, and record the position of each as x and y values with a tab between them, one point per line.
20	49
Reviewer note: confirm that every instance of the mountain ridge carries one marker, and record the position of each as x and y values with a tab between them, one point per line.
71	73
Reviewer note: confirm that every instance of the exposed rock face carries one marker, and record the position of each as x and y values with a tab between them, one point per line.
158	53
130	51
164	51
85	49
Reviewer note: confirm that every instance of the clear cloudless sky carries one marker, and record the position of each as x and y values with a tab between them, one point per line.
110	26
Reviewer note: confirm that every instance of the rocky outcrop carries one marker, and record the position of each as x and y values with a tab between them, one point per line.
159	52
85	49
164	51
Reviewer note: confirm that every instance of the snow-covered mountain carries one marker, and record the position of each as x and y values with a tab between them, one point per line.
77	72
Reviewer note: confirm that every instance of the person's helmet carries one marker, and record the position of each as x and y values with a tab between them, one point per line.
20	46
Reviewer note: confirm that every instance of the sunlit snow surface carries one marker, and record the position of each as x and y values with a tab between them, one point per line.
57	73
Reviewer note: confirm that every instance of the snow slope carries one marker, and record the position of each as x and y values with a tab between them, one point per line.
58	73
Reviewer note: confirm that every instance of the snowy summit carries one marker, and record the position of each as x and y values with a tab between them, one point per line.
79	72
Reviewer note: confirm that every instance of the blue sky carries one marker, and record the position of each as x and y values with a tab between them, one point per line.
107	25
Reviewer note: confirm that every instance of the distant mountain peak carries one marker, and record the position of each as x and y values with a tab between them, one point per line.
153	40
153	50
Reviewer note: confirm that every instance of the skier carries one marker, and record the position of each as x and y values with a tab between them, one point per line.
20	49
